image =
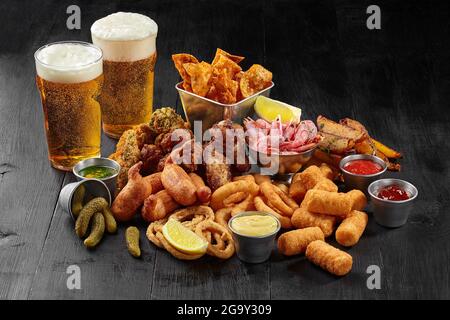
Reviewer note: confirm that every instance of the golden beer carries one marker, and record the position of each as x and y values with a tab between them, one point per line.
69	79
128	42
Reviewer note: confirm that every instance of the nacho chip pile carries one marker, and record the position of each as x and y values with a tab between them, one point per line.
223	80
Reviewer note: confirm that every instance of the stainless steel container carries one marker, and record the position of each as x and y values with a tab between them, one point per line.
283	166
103	162
360	181
209	112
253	249
390	213
93	188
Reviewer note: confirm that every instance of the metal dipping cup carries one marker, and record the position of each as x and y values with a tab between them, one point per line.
253	249
103	162
94	188
361	181
389	213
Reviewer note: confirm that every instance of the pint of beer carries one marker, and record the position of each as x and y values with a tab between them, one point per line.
69	79
128	41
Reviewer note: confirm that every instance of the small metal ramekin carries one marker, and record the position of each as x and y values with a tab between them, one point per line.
360	181
94	188
104	162
391	213
254	249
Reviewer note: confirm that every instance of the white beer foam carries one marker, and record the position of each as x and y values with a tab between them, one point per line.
69	62
125	36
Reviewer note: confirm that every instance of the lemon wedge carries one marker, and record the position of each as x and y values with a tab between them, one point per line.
183	239
269	109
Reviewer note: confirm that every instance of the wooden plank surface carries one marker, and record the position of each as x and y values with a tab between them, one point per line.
395	80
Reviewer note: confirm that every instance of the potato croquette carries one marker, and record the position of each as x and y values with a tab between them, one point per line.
326	185
358	199
295	242
331	203
329	258
351	229
302	218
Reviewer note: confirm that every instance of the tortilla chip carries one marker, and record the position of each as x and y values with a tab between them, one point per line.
223	88
233	58
181	58
200	74
254	80
224	63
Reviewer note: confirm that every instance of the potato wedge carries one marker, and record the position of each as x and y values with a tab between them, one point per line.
390	153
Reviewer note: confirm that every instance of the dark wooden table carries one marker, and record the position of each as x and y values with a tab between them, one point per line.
395	80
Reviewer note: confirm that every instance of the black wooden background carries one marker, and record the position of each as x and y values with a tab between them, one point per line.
395	80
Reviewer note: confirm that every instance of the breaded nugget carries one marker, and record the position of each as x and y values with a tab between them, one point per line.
358	199
331	203
326	185
302	218
295	242
352	228
329	258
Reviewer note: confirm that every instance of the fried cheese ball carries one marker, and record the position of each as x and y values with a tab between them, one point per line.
329	258
302	218
295	242
351	229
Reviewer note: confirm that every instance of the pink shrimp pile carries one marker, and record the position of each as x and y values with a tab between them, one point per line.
279	138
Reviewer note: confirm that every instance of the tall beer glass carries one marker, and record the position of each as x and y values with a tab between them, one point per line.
128	41
69	79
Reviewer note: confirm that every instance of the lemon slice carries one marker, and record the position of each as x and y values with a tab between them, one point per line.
269	109
183	239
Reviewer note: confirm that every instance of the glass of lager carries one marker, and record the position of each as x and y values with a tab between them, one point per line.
128	41
69	79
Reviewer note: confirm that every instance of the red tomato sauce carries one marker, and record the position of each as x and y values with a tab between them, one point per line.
393	192
363	167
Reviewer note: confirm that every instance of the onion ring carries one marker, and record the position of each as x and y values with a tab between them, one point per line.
153	229
222	216
228	189
234	198
247	177
215	250
279	199
245	205
191	216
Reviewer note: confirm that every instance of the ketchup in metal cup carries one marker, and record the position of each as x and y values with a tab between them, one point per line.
393	193
364	167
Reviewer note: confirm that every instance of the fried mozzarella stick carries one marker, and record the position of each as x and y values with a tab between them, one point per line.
302	218
358	199
329	258
326	185
326	170
295	242
331	203
351	229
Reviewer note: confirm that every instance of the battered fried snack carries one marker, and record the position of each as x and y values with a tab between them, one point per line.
297	191
222	216
132	196
247	177
282	187
234	198
309	177
215	228
228	189
178	184
329	258
90	208
153	229
158	206
77	201
278	199
203	191
191	216
358	199
326	185
260	178
174	252
302	218
150	156
97	231
352	228
326	170
111	224
331	203
132	239
295	242
155	181
245	205
218	172
260	205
